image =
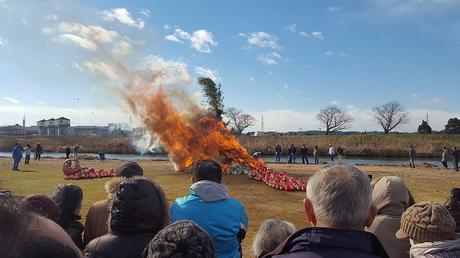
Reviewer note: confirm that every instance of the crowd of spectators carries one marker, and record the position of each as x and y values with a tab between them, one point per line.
350	216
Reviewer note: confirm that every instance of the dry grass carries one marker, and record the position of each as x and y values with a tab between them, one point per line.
260	201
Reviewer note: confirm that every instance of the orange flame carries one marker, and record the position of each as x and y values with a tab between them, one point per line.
190	138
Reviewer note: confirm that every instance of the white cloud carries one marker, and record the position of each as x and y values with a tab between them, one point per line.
270	58
343	54
173	72
317	34
285	86
166	27
429	101
251	78
261	39
48	30
334	9
26	22
328	53
145	12
292	28
304	34
309	66
101	68
11	100
39	102
122	48
77	66
88	37
279	96
3	41
335	102
200	40
122	16
204	72
52	17
405	8
173	38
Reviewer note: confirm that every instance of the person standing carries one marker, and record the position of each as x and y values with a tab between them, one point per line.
291	152
304	153
316	154
27	151
38	151
67	152
445	157
331	152
17	155
278	153
456	154
340	152
76	148
412	155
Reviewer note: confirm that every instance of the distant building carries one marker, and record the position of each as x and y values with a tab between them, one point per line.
59	126
89	130
11	130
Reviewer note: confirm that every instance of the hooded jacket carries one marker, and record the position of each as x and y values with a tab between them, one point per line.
391	197
223	218
441	249
329	243
137	214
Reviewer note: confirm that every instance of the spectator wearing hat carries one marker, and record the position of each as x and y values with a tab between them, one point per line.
182	239
42	205
431	230
391	198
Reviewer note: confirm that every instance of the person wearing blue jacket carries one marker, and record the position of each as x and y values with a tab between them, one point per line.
17	155
210	206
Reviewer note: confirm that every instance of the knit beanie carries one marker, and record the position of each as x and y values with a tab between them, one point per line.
130	169
427	222
42	205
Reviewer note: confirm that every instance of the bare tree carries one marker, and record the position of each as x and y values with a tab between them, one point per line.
333	119
239	120
390	115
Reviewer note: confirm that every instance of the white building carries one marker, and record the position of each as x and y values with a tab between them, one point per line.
59	126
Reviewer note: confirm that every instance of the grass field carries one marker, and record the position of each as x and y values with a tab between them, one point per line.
260	201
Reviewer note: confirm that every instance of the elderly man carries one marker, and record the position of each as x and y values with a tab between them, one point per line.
338	205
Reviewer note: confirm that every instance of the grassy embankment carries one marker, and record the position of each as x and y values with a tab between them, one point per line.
260	201
354	145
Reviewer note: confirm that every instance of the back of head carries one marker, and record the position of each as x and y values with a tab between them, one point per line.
182	239
139	206
391	196
130	169
341	196
21	235
271	233
42	205
69	198
207	170
111	186
427	222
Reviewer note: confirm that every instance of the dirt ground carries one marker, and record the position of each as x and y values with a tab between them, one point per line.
260	201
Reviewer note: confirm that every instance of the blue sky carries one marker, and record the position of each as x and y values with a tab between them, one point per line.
283	60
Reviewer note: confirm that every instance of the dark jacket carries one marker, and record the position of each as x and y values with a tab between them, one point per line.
292	150
304	151
456	154
136	217
74	229
278	148
330	243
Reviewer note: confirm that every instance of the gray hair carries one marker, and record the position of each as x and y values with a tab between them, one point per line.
341	195
271	233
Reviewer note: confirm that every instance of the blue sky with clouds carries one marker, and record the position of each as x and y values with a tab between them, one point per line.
284	60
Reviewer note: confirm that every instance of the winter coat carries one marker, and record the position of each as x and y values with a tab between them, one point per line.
304	151
391	197
17	153
441	249
455	154
39	149
27	150
97	218
315	152
75	230
412	153
445	155
223	218
292	150
329	243
134	221
278	148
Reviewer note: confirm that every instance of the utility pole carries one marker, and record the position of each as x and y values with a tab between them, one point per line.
262	129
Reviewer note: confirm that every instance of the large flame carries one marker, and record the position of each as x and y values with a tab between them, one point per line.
190	135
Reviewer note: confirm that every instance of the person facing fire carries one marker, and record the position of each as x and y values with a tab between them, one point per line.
210	206
291	153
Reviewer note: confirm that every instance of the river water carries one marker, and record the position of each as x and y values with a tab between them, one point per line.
267	158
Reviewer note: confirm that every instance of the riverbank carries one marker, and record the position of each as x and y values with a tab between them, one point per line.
393	145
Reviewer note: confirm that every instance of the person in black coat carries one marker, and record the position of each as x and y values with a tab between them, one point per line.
139	211
69	198
304	153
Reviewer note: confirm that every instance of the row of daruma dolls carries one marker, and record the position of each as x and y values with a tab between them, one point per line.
73	171
280	181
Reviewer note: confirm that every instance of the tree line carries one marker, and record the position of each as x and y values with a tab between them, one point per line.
388	116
